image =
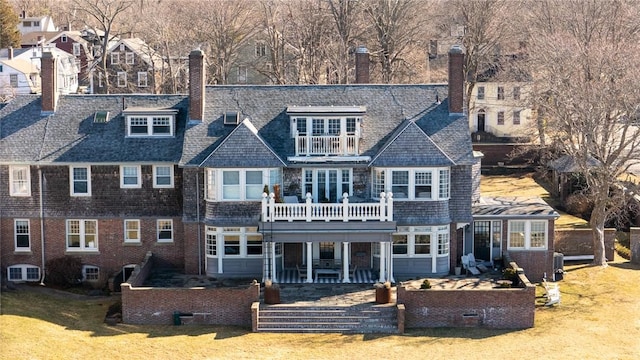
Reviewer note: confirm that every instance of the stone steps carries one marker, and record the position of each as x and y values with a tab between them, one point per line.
342	319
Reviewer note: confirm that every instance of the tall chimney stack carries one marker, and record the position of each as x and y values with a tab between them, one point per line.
196	85
10	53
48	83
456	80
362	65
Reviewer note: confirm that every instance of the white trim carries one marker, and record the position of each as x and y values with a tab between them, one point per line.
155	177
15	235
386	181
122	78
527	234
149	123
129	58
138	176
23	272
215	178
84	244
126	231
12	189
158	230
90	267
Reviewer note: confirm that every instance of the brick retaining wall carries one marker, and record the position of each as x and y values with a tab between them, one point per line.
496	308
221	306
571	242
635	245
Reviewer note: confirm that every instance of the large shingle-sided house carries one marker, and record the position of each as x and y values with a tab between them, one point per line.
247	181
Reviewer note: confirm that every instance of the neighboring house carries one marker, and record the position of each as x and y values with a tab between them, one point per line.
77	44
382	177
18	76
36	30
133	67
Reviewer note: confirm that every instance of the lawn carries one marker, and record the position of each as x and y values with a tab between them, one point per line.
599	318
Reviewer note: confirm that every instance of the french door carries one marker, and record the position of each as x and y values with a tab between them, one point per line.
327	185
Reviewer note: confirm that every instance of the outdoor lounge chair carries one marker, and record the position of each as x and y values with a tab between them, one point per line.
302	275
469	267
552	292
474	263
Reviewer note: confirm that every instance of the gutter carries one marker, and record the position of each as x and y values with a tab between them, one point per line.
41	182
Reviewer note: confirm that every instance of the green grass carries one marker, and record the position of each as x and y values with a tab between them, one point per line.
599	318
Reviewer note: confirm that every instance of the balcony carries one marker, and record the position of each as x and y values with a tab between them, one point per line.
327	145
345	211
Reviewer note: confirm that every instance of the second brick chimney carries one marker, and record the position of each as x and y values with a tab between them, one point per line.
456	80
48	83
362	65
196	85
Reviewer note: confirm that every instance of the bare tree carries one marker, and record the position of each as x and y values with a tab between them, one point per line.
101	16
397	27
276	27
584	61
348	26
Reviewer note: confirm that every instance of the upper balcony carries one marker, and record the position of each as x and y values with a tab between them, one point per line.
345	211
326	145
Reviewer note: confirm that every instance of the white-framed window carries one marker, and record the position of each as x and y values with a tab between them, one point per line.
234	242
82	235
142	79
100	80
90	273
480	93
115	58
13	80
122	79
319	126
23	272
63	38
151	125
516	93
420	241
516	117
76	49
500	120
80	180
240	184
130	176
163	176
129	58
165	230
242	74
20	180
22	234
132	231
500	93
527	235
326	185
412	184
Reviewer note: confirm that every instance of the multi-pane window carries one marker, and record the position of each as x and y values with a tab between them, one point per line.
13	80
443	240
122	79
351	126
211	241
400	183
254	185
500	93
115	58
20	180
76	49
142	79
423	244
129	58
23	272
517	234
90	273
231	185
443	190
516	117
500	117
423	184
240	184
22	235
162	176
156	125
261	48
165	230
82	235
378	182
130	176
301	126
400	244
231	243
538	234
516	93
80	178
480	92
132	231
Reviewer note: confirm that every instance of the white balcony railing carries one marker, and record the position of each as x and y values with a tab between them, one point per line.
345	211
325	145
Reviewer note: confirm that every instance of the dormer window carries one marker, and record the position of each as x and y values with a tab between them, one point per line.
150	123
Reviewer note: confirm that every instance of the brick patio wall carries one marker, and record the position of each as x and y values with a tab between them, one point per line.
497	308
635	245
199	305
571	242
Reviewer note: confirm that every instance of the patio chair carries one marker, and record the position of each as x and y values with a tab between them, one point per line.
552	293
352	272
302	275
469	266
474	263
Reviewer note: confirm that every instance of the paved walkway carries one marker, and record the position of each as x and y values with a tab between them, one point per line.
328	294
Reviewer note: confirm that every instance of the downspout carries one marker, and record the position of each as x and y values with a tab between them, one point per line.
41	183
198	221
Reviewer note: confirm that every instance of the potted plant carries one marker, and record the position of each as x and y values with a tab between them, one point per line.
271	292
425	284
383	292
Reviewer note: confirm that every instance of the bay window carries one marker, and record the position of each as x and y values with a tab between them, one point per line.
410	241
233	242
240	184
412	184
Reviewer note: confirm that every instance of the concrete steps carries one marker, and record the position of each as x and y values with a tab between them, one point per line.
358	319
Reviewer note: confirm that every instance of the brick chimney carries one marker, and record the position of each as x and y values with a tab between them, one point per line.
48	83
10	53
196	85
456	80
362	65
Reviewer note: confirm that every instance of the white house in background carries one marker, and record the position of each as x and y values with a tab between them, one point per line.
29	24
18	76
67	66
501	109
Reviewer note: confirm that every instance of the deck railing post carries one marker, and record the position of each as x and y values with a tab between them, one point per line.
308	207
382	211
272	208
389	206
264	207
345	207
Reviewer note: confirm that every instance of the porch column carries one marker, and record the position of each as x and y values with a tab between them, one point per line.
391	279
345	262
309	263
383	262
219	251
274	277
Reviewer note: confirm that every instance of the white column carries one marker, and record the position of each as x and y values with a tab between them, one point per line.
383	262
434	254
345	262
274	277
309	262
219	250
391	262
